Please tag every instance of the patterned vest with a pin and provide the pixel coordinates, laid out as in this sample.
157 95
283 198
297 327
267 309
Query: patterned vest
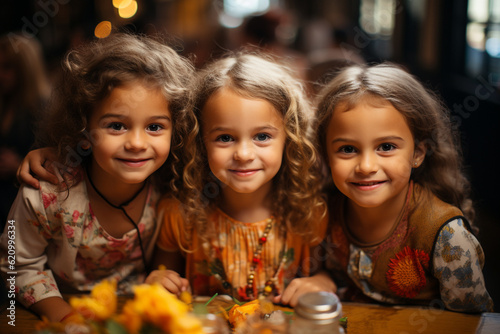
401 265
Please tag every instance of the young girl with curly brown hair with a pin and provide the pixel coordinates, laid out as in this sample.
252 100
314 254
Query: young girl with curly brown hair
117 120
400 230
251 209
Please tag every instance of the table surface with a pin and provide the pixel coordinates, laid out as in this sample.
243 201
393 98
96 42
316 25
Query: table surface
361 318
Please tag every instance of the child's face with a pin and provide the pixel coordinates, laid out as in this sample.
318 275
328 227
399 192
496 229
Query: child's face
130 134
244 139
371 153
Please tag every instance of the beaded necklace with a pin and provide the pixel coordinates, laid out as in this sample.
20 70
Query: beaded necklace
270 285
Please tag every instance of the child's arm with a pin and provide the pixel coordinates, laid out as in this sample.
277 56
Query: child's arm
54 308
23 247
34 163
169 265
297 287
458 261
168 257
321 281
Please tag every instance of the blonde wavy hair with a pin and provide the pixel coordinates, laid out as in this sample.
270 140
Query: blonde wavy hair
428 118
296 188
93 70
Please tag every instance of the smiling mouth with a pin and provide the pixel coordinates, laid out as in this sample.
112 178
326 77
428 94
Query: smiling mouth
134 162
367 184
244 172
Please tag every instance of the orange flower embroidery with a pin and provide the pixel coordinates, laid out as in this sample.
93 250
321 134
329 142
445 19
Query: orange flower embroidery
406 275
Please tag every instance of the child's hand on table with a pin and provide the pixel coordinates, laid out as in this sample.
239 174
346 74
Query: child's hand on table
169 279
299 286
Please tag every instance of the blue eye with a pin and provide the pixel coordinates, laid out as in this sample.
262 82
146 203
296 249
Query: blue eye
262 137
224 138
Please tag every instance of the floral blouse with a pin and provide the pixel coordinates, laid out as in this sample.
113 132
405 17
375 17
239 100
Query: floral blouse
462 286
448 276
58 242
223 263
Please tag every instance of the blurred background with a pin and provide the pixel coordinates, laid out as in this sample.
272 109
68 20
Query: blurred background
453 46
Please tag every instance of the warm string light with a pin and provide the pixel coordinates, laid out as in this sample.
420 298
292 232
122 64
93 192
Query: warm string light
103 29
126 8
121 3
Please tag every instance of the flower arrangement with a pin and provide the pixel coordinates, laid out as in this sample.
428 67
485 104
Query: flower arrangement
239 313
153 310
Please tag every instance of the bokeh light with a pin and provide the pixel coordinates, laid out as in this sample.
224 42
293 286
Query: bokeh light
103 29
121 3
475 35
128 11
493 44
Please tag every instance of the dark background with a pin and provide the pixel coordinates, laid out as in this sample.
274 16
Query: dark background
433 39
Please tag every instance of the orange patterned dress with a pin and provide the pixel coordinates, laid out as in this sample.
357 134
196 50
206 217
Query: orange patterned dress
223 263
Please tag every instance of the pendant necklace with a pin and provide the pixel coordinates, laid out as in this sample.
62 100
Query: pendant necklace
270 285
122 208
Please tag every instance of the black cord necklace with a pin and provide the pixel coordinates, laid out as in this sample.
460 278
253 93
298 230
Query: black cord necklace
122 208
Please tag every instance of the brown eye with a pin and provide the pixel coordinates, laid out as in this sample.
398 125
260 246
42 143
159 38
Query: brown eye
347 149
224 138
154 127
387 147
116 126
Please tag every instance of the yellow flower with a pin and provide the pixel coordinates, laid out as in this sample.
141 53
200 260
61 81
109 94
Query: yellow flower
238 314
186 324
186 297
129 318
153 304
101 304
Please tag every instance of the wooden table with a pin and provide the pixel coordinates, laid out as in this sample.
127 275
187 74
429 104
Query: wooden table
361 318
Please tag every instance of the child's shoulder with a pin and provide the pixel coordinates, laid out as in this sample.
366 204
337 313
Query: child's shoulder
71 183
75 193
50 201
169 200
45 189
170 204
425 200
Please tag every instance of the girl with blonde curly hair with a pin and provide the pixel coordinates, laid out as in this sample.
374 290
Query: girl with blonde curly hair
400 204
251 208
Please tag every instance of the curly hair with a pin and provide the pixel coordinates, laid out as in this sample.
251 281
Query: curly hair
92 71
427 117
296 188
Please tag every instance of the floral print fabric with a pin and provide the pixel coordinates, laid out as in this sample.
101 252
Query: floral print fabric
430 258
58 238
457 261
406 274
